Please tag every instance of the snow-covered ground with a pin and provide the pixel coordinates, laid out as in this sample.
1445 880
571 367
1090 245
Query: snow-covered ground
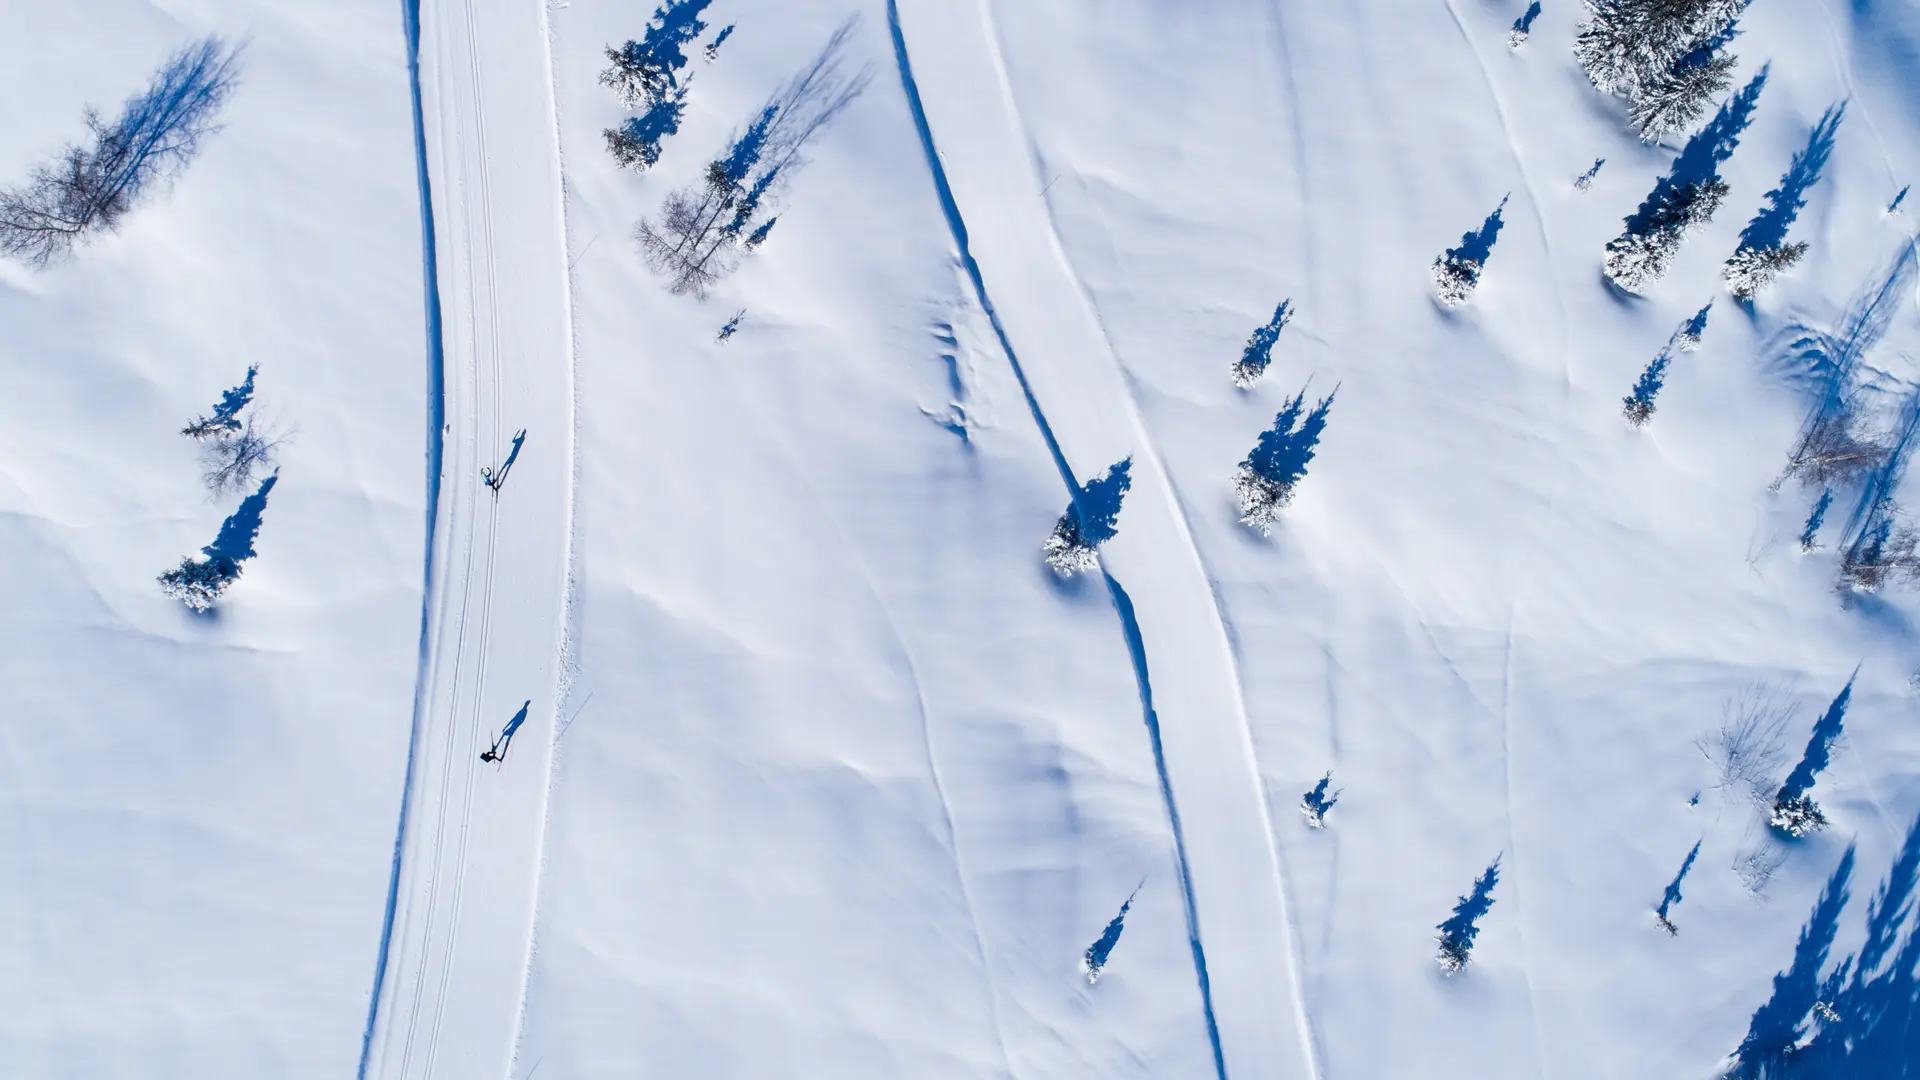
844 780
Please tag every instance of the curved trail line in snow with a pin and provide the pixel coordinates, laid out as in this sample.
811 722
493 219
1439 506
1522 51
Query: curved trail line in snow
447 997
1229 866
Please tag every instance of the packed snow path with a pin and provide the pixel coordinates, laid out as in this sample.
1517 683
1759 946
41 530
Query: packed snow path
983 161
453 965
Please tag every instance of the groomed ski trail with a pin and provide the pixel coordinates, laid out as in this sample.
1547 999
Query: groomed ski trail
454 953
1236 901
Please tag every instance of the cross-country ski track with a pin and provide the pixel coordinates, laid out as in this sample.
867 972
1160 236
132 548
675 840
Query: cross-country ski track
452 972
983 164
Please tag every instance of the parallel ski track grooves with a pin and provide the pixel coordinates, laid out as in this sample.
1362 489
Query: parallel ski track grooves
468 753
1123 605
437 903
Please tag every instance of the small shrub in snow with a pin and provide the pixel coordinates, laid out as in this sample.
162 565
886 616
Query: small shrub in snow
1259 351
90 188
1749 747
1458 932
1089 521
1809 536
1095 960
1315 804
1456 273
225 417
1265 481
1755 868
1664 913
1523 26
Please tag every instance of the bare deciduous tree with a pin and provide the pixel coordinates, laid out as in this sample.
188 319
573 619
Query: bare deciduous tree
702 231
1749 747
90 188
231 460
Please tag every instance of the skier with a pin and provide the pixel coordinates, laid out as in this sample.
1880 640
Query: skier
498 751
494 479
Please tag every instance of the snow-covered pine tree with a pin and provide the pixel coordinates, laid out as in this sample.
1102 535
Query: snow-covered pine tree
645 75
199 583
1764 250
1458 932
1266 479
647 72
1457 272
1687 338
1749 270
1794 811
1668 58
635 143
1523 26
1259 351
1095 960
1638 406
1315 803
1089 521
1664 913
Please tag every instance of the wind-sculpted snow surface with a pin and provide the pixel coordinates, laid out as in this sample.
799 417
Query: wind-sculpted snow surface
1237 907
453 959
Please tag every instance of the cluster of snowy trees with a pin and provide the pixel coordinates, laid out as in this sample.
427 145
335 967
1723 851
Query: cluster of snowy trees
702 230
235 444
234 449
646 75
1683 200
89 187
1265 481
1667 58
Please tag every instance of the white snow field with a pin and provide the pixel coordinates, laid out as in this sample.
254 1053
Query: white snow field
824 773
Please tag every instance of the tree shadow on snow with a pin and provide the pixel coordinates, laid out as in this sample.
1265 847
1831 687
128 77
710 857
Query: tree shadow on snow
1863 1018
